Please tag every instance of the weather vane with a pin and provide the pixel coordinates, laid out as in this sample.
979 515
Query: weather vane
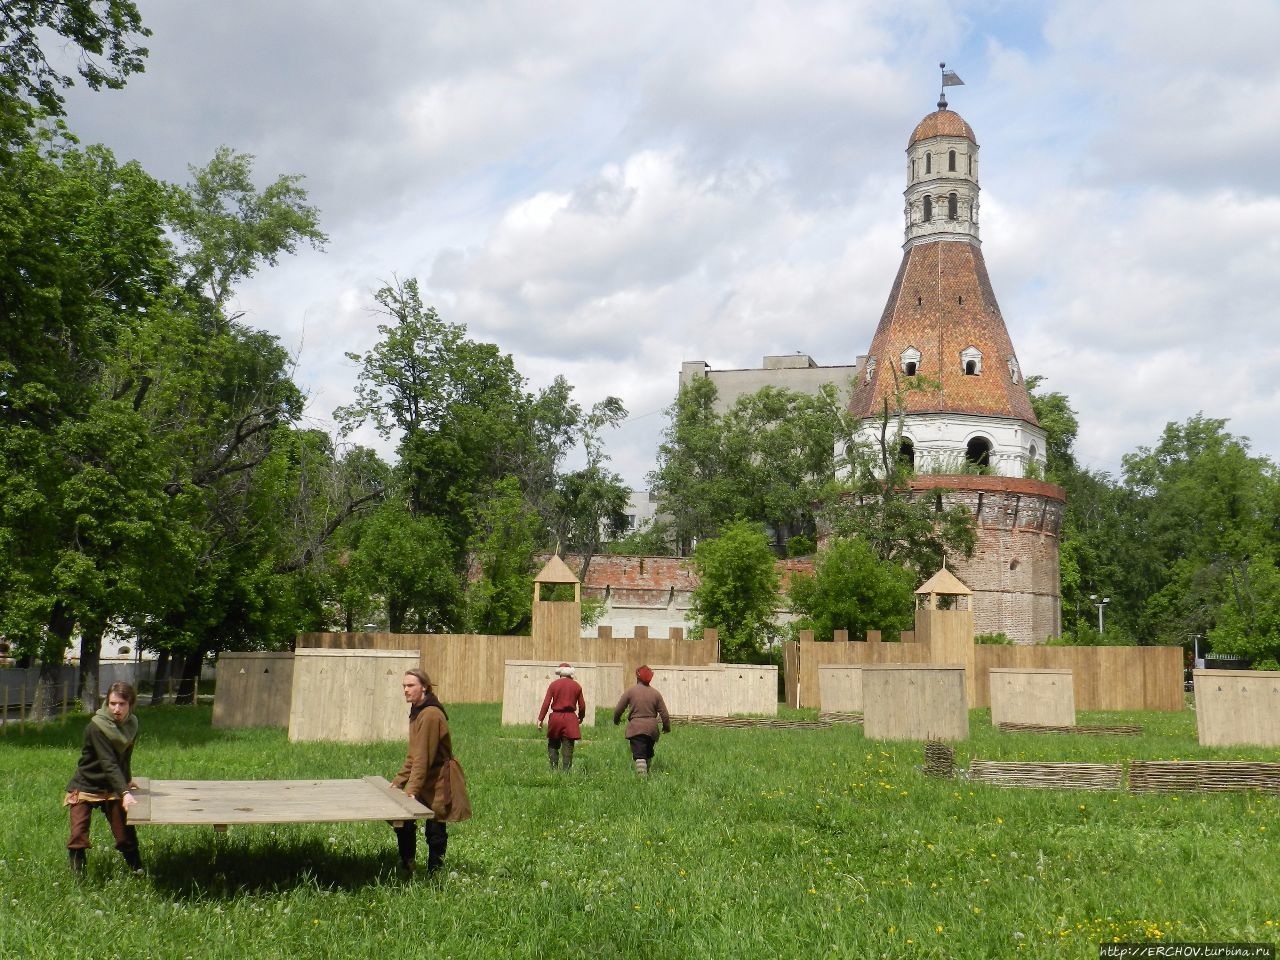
949 79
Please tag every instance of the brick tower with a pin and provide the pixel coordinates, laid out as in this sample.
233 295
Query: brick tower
941 358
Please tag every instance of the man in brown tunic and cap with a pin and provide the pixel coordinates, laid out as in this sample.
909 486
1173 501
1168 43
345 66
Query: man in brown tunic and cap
647 708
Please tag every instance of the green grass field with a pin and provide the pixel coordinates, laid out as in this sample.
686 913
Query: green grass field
742 844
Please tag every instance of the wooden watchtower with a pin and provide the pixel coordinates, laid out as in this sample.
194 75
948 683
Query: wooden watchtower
552 618
944 620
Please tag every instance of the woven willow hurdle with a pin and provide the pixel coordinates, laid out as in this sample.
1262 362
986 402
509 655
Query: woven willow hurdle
839 716
1213 775
1100 729
1054 776
752 722
939 760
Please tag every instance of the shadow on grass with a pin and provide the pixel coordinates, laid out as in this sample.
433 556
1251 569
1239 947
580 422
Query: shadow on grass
158 726
210 868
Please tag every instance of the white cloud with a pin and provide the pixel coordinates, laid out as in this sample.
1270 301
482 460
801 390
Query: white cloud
607 190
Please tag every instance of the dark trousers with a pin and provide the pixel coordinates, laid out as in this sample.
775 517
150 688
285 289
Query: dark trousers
641 747
126 836
437 838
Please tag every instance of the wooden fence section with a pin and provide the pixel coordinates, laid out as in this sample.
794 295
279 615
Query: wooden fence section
1024 696
526 684
349 696
1055 776
469 668
1237 707
1104 678
255 689
1176 776
809 655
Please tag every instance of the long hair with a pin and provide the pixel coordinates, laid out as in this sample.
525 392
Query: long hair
421 676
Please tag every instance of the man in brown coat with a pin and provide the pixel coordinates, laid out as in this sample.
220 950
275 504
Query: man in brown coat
647 708
430 748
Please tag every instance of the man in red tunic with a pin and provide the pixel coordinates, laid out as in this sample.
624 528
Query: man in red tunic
568 709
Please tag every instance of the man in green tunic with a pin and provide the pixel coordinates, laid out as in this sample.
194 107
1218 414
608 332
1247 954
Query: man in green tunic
103 780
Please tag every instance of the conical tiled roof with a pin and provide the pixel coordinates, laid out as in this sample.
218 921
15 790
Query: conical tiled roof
942 123
941 305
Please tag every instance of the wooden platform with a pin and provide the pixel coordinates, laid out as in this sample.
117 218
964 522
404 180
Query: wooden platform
222 803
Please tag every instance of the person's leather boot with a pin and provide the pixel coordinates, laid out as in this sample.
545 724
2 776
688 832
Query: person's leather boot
76 858
132 859
553 756
566 749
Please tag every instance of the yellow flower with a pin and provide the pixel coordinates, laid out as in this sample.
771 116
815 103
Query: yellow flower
938 928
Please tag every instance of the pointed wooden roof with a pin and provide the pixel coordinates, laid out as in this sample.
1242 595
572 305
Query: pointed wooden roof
556 571
945 583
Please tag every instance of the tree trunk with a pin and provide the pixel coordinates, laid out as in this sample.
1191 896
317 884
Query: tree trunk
190 673
44 702
90 663
160 677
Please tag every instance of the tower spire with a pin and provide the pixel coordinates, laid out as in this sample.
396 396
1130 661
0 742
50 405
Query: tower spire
949 79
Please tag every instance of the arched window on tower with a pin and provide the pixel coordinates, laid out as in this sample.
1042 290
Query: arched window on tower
928 209
970 164
953 206
978 452
971 361
928 163
951 160
910 361
907 453
913 169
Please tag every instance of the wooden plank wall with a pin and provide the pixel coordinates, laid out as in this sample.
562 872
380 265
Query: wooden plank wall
914 702
557 620
718 690
1237 707
525 684
254 689
840 689
1105 678
810 655
349 696
470 668
1023 695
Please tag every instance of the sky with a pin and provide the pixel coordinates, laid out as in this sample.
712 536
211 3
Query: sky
606 190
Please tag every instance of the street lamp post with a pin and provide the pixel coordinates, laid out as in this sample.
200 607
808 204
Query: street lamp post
1099 602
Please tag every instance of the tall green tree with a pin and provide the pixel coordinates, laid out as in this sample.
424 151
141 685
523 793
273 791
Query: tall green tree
768 458
738 591
852 589
104 35
467 428
1206 510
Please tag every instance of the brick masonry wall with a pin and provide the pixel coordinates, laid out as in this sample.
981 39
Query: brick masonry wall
1014 572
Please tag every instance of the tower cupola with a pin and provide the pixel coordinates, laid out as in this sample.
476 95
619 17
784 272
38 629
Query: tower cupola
942 179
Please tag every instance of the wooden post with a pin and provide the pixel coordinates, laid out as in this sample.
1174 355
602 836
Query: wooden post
642 633
22 709
604 632
676 633
64 699
841 636
4 718
195 692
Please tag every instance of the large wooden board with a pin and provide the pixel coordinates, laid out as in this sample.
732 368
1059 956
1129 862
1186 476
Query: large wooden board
222 803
